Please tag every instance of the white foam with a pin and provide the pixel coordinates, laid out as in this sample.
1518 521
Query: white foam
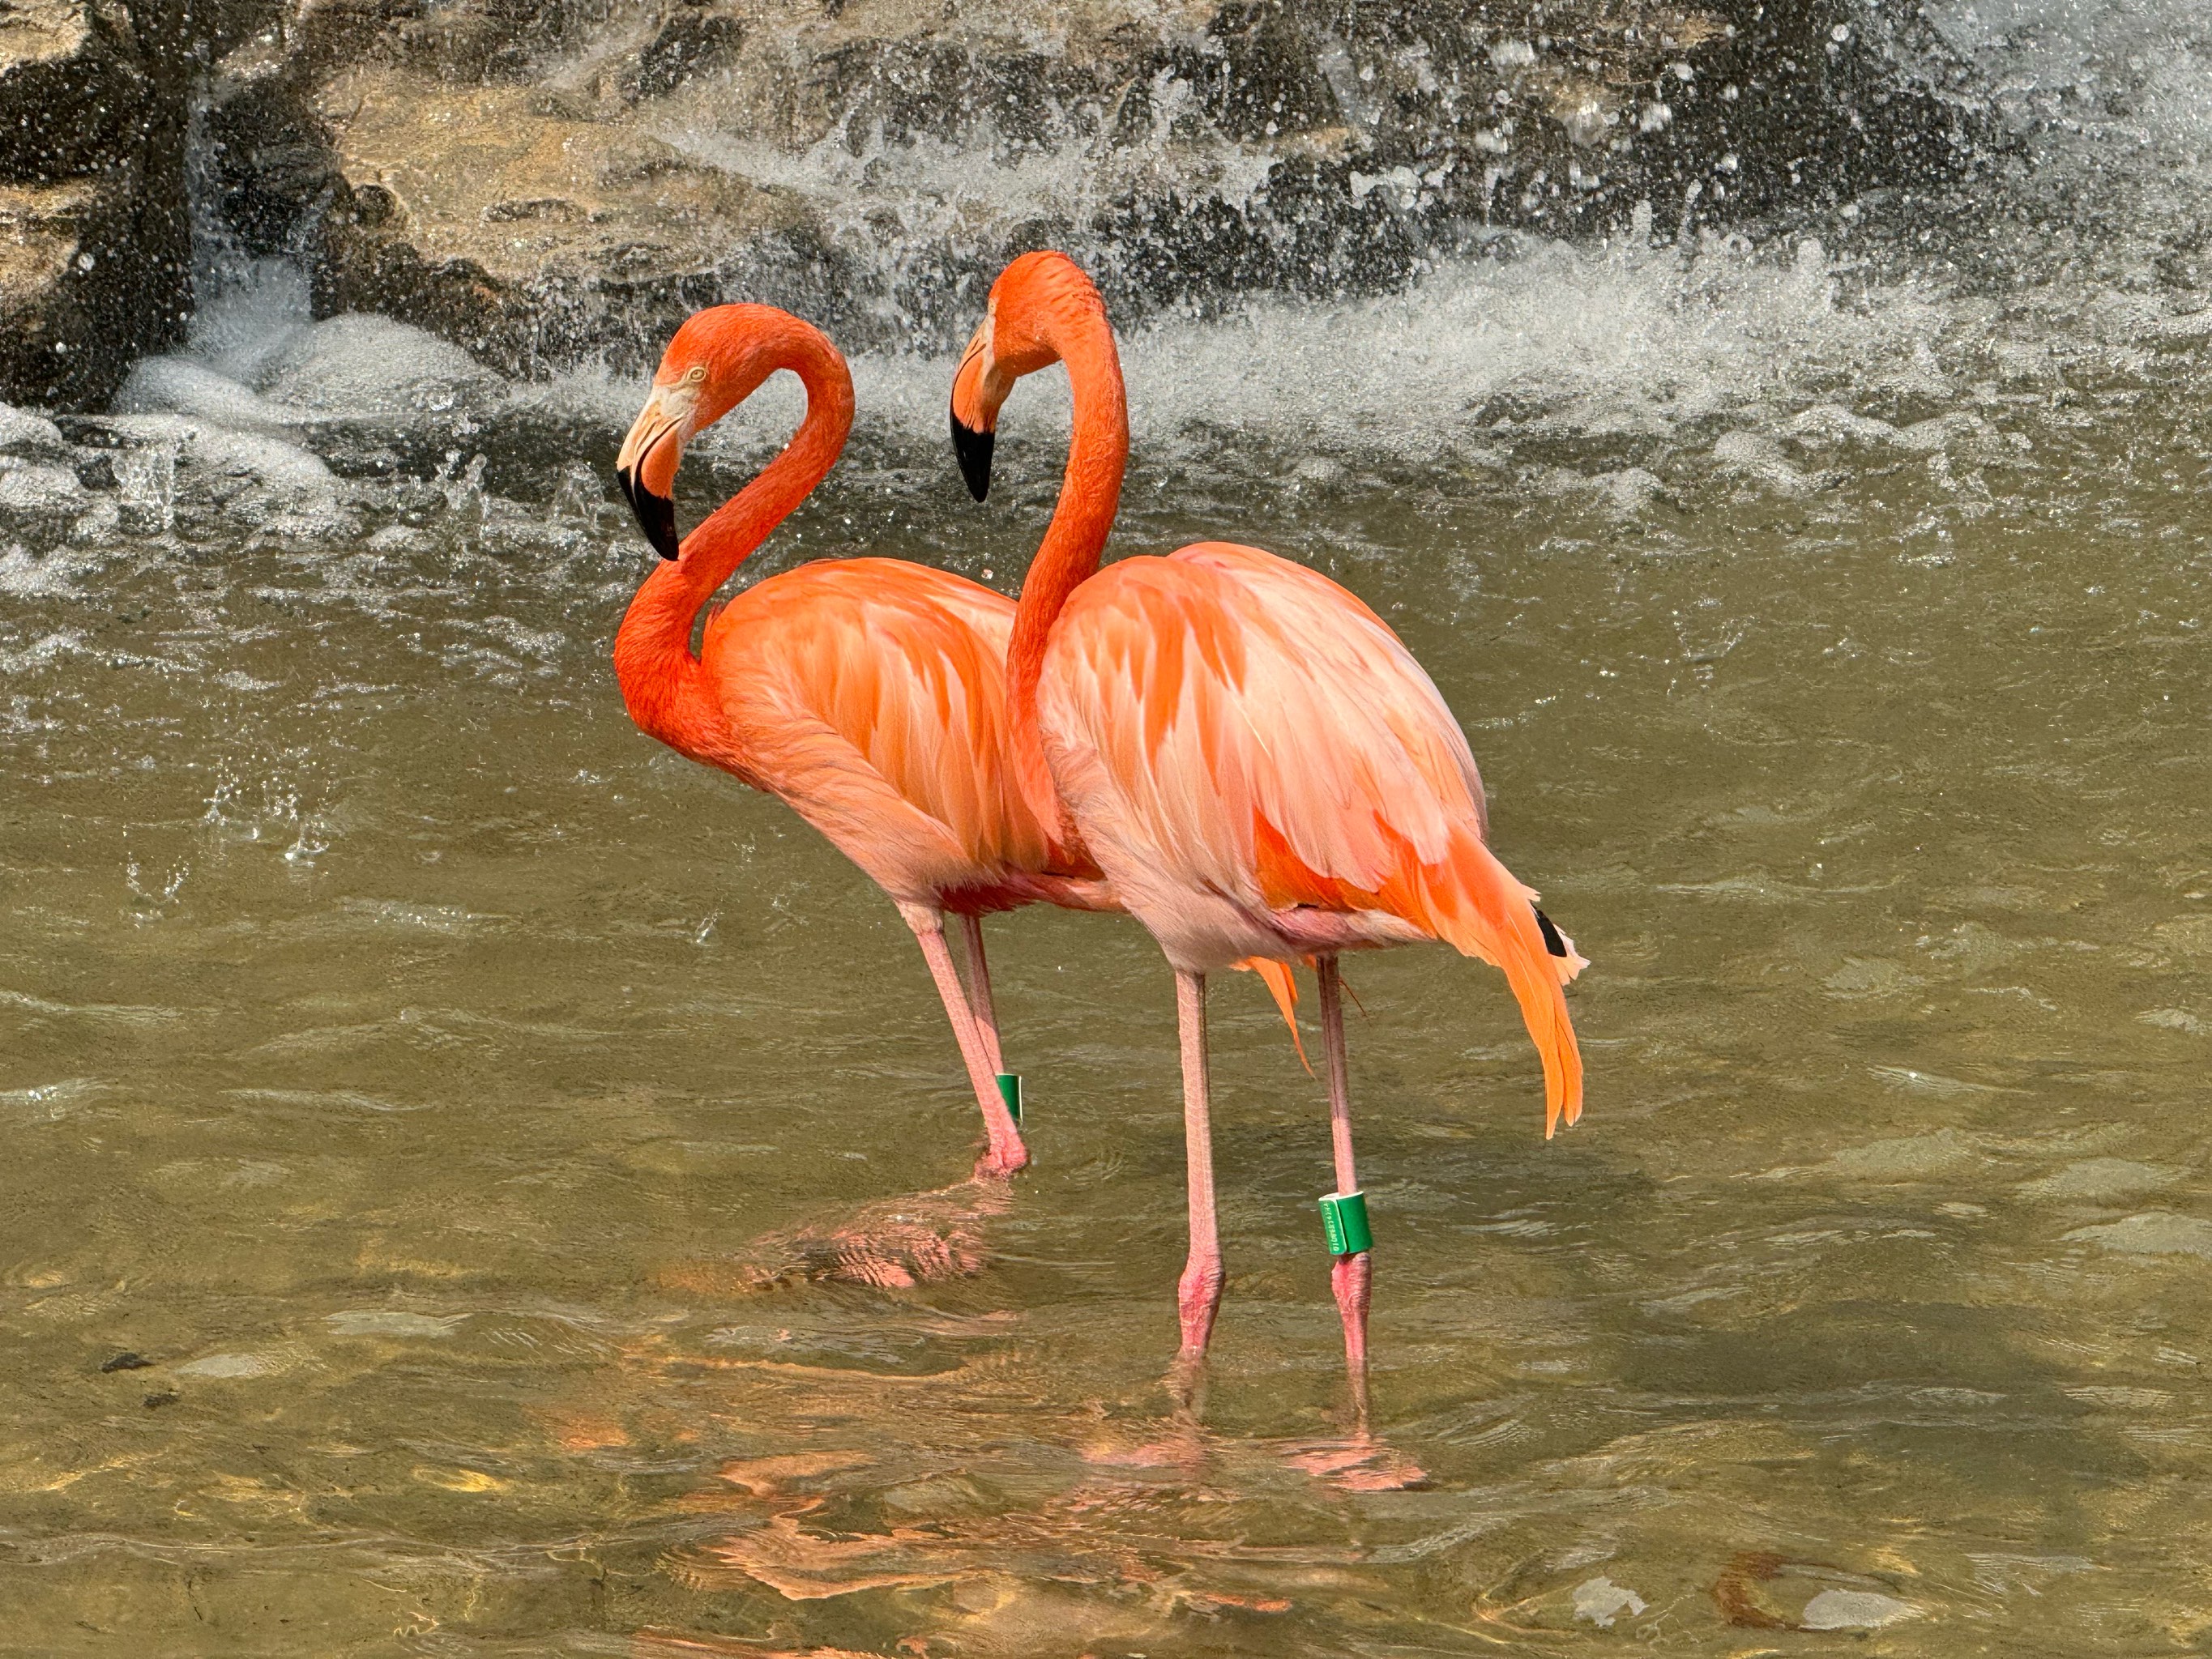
231 1366
1622 341
28 575
1601 1601
1755 365
179 386
2155 1232
361 366
592 397
1777 370
1613 343
277 487
45 649
352 367
270 462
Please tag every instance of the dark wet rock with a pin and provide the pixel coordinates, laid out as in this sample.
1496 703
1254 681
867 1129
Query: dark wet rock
91 202
521 226
95 469
95 243
689 42
161 1397
126 1361
266 157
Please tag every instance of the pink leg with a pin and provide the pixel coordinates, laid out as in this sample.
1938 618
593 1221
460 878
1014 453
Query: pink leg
979 990
1351 1275
1200 1291
1006 1153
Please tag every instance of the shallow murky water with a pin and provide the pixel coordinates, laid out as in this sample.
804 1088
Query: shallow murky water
500 1139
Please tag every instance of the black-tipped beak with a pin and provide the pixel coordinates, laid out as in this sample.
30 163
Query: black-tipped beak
972 448
656 514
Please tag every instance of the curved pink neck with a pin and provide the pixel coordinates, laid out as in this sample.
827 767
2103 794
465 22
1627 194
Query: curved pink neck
1074 324
663 684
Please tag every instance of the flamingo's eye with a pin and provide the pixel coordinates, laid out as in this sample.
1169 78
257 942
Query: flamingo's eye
696 374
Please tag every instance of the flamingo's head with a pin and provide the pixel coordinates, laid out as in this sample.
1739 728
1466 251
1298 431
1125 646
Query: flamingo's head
717 360
1028 306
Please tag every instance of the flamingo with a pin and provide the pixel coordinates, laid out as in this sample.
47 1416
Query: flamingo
1255 763
868 694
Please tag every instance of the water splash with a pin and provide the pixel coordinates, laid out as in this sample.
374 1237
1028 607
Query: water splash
1619 373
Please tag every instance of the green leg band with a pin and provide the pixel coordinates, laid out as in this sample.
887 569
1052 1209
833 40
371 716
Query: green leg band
1010 1090
1344 1219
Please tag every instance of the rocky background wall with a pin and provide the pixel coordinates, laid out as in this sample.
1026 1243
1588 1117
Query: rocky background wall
547 181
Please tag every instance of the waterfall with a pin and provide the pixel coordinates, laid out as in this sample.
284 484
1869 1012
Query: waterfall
245 306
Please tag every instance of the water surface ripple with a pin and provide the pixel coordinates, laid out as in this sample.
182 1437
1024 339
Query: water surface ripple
526 1161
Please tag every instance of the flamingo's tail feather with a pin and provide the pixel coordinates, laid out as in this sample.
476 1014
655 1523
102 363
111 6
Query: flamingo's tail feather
1282 986
1484 912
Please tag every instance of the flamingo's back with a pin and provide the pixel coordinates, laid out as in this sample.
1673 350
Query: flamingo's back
871 694
1248 746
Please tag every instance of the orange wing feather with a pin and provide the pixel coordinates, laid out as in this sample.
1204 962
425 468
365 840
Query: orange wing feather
872 696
